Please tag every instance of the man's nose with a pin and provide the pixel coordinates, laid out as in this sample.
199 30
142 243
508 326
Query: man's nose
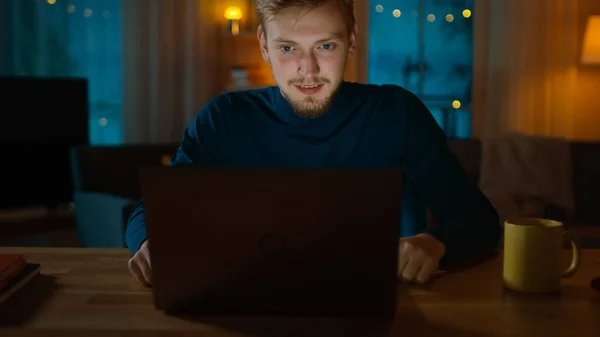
308 65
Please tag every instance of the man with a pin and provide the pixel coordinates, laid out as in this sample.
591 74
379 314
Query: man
312 118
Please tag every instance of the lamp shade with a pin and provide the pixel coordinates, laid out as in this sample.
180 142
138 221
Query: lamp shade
233 13
591 41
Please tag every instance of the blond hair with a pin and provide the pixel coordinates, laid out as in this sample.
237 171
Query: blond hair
268 8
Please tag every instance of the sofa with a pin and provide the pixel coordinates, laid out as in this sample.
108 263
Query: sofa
106 184
585 158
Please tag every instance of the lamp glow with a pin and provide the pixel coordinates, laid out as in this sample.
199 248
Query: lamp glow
591 41
233 14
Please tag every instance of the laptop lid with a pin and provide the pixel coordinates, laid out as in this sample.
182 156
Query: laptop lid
301 241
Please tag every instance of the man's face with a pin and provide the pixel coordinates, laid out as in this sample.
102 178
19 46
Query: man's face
307 50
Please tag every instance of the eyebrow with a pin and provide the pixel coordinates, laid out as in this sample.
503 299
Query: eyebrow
335 36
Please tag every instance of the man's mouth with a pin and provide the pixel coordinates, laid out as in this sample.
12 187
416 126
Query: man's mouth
310 89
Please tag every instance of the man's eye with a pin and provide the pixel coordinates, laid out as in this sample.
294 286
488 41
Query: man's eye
286 48
328 46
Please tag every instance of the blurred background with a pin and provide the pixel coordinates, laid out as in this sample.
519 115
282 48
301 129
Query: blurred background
110 85
424 45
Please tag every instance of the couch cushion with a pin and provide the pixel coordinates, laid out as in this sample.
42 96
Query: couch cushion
114 169
586 180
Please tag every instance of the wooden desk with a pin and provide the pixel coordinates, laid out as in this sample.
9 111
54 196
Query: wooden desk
89 292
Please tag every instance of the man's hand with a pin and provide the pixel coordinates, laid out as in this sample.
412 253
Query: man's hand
419 257
139 265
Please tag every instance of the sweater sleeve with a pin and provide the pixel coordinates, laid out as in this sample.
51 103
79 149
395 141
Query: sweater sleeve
200 145
468 224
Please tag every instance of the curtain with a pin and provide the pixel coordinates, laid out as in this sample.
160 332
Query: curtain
170 66
526 58
151 64
75 38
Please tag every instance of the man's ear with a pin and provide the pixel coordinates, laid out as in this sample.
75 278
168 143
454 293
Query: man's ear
261 34
352 40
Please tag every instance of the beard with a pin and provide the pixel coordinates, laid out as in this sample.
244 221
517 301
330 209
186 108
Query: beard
309 106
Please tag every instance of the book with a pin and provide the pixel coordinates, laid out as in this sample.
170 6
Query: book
10 265
29 271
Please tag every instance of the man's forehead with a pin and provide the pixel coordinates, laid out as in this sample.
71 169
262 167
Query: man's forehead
305 25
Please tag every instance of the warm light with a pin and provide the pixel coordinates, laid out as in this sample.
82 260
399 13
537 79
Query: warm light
456 104
235 27
52 2
87 12
430 17
165 159
233 13
591 41
467 13
449 17
396 13
379 8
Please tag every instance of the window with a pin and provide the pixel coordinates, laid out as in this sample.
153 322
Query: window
71 38
426 46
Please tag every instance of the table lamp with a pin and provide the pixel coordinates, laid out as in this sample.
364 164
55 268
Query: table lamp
233 15
590 53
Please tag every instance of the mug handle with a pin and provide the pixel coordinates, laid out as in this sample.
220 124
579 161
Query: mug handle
576 257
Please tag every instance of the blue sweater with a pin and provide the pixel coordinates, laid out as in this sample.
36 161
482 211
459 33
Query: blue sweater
367 126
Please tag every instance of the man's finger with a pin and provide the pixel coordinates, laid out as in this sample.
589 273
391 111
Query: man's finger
146 253
402 260
412 269
146 270
428 268
135 270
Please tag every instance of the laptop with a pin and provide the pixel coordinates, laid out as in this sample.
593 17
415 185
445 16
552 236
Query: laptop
273 241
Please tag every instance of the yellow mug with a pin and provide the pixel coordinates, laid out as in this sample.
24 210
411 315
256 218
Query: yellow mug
532 255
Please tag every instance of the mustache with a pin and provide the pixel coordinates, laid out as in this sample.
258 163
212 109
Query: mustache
315 81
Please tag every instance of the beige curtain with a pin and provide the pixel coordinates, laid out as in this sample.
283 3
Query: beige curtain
170 66
526 57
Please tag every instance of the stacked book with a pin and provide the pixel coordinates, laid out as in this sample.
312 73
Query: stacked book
15 272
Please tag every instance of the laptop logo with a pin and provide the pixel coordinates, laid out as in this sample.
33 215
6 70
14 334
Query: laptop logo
271 244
